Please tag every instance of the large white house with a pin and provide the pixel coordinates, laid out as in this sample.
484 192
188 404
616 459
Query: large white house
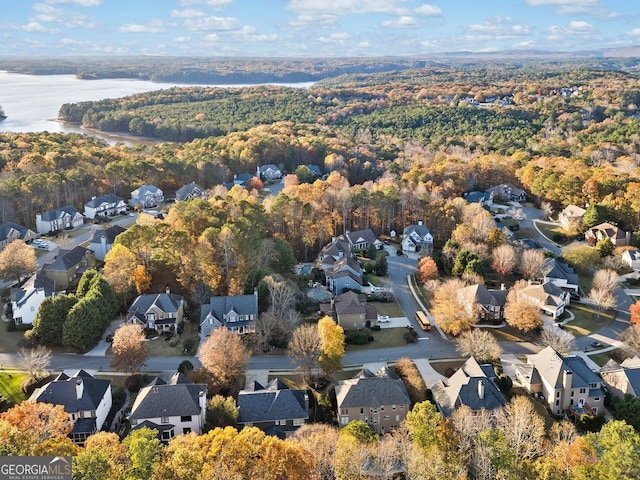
58 219
26 300
104 206
146 196
11 231
417 238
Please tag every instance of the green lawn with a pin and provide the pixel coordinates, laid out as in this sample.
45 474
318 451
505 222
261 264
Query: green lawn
550 230
585 322
388 308
442 367
9 341
10 385
385 338
158 347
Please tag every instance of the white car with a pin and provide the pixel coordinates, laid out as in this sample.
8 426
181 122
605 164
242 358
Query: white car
383 318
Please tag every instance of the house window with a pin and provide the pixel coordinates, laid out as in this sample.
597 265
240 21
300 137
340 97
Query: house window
583 390
557 394
374 410
596 399
557 403
93 414
361 411
386 417
393 407
595 410
382 408
166 435
593 385
344 411
572 393
344 420
164 419
298 421
397 418
186 430
571 402
185 418
33 308
80 414
402 407
18 321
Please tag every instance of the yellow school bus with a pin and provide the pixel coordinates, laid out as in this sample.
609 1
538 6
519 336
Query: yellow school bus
422 320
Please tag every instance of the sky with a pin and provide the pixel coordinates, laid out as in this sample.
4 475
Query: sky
312 28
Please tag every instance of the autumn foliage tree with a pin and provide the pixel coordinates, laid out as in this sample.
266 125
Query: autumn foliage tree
520 311
503 259
305 347
448 310
634 311
129 348
427 269
17 259
332 345
480 344
38 420
142 279
225 357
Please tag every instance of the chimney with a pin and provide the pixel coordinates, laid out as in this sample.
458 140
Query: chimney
503 286
79 388
168 290
567 376
481 389
420 222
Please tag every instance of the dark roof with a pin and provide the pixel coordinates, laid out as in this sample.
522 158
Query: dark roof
480 294
562 270
167 302
348 273
97 201
221 306
359 236
551 365
68 258
109 234
63 391
56 213
39 281
154 426
315 169
274 402
371 390
5 228
168 400
143 190
186 191
345 262
350 303
476 197
337 248
420 230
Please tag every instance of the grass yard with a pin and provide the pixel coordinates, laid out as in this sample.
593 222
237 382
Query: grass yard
10 385
10 341
376 280
442 367
388 308
159 347
524 233
385 338
585 322
550 230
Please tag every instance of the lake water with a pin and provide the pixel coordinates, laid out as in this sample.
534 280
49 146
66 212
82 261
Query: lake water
32 102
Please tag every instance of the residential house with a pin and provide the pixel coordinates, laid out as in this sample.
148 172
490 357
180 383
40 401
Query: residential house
275 408
363 239
632 258
417 238
473 385
268 173
507 193
347 274
622 379
26 300
104 206
58 219
487 305
550 298
175 408
484 199
190 191
236 313
159 311
618 237
315 170
571 217
337 249
241 179
566 383
380 400
87 400
69 265
562 275
146 196
102 241
350 310
12 231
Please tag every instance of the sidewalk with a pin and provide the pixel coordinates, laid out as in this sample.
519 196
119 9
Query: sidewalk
429 375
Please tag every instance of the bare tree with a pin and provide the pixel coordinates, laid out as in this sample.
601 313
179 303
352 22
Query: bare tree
603 290
563 431
17 259
224 356
523 428
560 340
35 361
503 259
631 336
265 326
531 263
520 311
547 209
129 348
305 348
283 294
320 439
479 344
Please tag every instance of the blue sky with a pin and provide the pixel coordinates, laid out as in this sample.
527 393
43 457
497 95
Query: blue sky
312 28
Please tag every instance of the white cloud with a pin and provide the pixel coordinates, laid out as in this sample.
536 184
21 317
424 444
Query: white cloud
181 39
68 18
211 3
428 10
82 3
34 26
154 26
527 44
589 7
212 37
187 13
364 44
335 38
272 37
576 27
208 24
401 22
634 32
501 28
304 20
347 7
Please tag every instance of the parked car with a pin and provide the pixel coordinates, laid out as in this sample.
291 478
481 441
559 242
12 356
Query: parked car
383 318
597 345
109 338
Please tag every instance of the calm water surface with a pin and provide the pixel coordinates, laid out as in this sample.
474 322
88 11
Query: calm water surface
32 102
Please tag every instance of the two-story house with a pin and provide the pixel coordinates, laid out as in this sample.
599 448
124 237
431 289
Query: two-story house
571 217
69 266
618 237
58 219
104 206
363 239
507 193
146 196
87 400
380 400
190 191
236 313
275 408
12 231
472 385
416 238
484 199
347 274
268 173
351 310
566 383
562 275
102 241
550 298
622 379
162 312
175 408
26 300
485 304
632 259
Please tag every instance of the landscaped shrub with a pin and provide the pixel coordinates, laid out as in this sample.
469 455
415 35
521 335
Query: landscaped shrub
189 346
185 366
11 325
376 328
134 382
412 379
360 339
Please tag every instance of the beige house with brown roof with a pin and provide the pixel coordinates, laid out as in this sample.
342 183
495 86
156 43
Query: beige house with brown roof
622 379
483 303
550 298
350 310
618 237
571 217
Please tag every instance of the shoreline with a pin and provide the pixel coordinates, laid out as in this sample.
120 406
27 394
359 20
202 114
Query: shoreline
113 138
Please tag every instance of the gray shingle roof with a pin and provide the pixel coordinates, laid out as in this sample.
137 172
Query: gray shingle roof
189 190
68 258
5 229
274 402
56 213
550 365
359 236
168 400
371 390
167 302
97 201
109 234
39 281
63 391
420 230
221 306
144 190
